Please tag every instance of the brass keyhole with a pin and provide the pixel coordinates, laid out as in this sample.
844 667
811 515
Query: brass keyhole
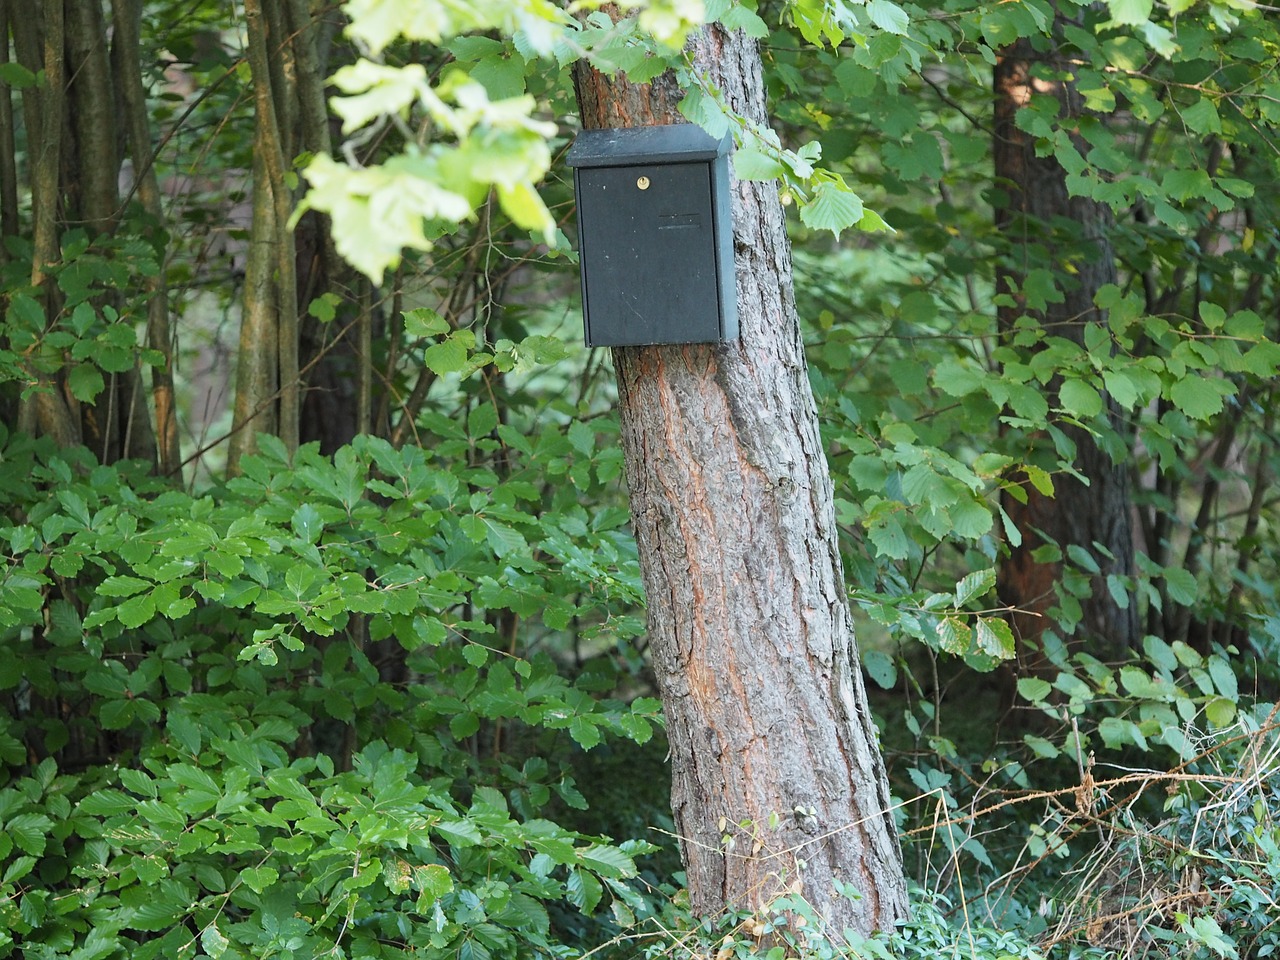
643 183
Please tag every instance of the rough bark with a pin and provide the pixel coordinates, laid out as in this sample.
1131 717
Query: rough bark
750 630
1078 513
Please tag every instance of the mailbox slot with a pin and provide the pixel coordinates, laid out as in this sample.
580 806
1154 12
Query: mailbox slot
655 239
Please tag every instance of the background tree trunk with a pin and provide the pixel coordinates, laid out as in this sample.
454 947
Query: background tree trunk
772 742
1077 513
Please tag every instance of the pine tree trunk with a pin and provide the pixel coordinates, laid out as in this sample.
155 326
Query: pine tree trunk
1077 514
772 742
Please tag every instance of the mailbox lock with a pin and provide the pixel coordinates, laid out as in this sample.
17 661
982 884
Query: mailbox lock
643 183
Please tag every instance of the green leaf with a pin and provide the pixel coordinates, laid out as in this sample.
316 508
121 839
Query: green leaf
584 890
1198 397
1130 12
751 164
607 861
1202 117
306 523
1033 688
259 879
1221 711
888 16
1080 399
833 207
17 76
975 584
880 668
1181 586
994 637
424 322
954 636
85 382
29 832
447 356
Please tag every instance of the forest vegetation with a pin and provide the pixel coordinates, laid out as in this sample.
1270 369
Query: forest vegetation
347 600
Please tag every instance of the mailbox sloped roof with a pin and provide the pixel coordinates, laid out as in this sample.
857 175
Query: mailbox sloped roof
625 146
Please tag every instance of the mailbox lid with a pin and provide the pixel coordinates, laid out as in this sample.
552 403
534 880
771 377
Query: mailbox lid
627 146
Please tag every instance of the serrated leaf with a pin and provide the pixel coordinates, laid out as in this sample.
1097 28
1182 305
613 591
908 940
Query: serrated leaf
1033 688
29 832
832 207
424 322
954 636
608 861
85 382
994 637
447 356
1080 399
1202 117
888 16
1198 397
751 164
259 879
1130 12
584 890
975 584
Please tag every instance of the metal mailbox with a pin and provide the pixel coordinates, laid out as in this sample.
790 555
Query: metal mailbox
655 239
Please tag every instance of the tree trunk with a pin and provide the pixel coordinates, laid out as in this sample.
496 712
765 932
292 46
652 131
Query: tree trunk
8 148
126 36
772 742
1080 514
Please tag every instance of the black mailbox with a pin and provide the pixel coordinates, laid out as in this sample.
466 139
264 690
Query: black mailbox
655 239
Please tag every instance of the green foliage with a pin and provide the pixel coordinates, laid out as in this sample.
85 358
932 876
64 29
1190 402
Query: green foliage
271 781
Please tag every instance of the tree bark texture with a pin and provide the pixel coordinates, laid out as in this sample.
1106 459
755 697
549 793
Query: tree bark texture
1099 512
772 742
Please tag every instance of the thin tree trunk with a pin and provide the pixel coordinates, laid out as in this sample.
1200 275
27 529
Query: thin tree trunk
256 361
267 386
47 407
1077 514
92 108
126 29
772 742
8 147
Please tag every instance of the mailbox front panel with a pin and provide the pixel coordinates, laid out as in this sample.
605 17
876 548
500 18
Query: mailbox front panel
649 263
